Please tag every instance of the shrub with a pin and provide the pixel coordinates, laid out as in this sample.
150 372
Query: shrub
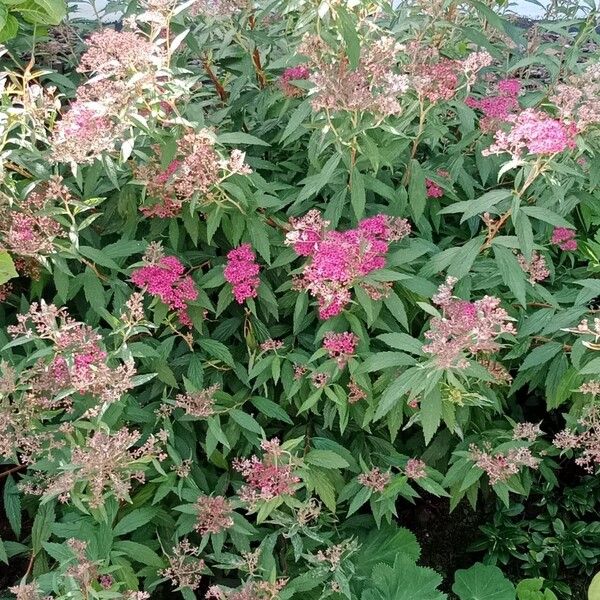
269 272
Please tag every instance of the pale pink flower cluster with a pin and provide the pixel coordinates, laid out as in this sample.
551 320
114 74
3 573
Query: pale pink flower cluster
564 238
464 327
242 272
290 75
527 431
216 8
271 345
499 108
415 469
77 359
165 279
340 346
28 591
340 260
373 86
30 229
213 514
534 132
199 405
584 439
375 479
251 590
108 463
319 380
195 170
590 387
436 81
578 98
266 478
536 268
501 467
185 568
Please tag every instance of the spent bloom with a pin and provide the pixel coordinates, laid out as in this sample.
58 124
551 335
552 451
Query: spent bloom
242 272
564 238
527 431
534 132
464 327
501 467
185 568
415 469
340 346
271 345
355 392
199 405
266 478
341 259
584 438
290 75
165 279
536 268
375 479
213 514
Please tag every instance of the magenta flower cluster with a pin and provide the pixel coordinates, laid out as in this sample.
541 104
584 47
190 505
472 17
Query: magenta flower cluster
564 238
340 346
242 272
497 109
341 259
293 74
166 281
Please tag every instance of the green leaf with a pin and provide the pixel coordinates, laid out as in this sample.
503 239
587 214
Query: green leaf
98 257
404 581
417 193
594 589
315 183
239 137
12 505
7 267
511 272
350 35
540 355
326 459
482 582
3 553
134 520
298 116
547 216
357 194
431 414
245 420
139 553
42 526
217 350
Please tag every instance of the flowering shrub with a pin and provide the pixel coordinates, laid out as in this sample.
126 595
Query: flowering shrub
271 273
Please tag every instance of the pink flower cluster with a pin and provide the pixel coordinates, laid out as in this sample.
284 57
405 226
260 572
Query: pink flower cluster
242 272
339 260
501 467
213 514
267 478
415 469
534 132
564 238
465 327
165 279
433 189
340 346
497 109
293 74
585 438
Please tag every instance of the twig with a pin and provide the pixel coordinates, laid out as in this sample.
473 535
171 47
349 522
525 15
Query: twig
12 470
223 94
260 73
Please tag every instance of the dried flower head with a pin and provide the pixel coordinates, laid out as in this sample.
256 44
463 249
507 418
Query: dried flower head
199 405
185 568
213 514
375 479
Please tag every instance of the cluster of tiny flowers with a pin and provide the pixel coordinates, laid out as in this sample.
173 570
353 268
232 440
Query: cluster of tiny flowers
271 345
335 554
499 108
216 8
415 469
252 590
199 405
590 387
82 570
196 169
30 230
432 188
527 431
123 64
469 327
373 86
341 259
164 278
267 478
534 132
501 467
585 439
564 238
497 370
77 361
536 268
242 272
107 463
340 346
319 380
578 98
185 568
584 329
290 75
28 591
213 514
355 392
376 480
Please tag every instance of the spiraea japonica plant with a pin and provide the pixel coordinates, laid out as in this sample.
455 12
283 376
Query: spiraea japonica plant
271 271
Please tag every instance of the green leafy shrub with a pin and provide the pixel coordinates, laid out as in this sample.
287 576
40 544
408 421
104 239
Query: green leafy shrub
270 273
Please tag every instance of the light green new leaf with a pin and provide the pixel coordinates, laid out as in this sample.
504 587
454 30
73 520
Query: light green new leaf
7 267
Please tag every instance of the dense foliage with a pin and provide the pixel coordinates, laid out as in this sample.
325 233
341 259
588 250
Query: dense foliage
270 273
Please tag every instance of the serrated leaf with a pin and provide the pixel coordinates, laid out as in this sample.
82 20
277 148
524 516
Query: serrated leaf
482 582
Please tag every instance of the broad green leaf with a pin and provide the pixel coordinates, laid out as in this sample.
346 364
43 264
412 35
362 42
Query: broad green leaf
482 582
7 267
